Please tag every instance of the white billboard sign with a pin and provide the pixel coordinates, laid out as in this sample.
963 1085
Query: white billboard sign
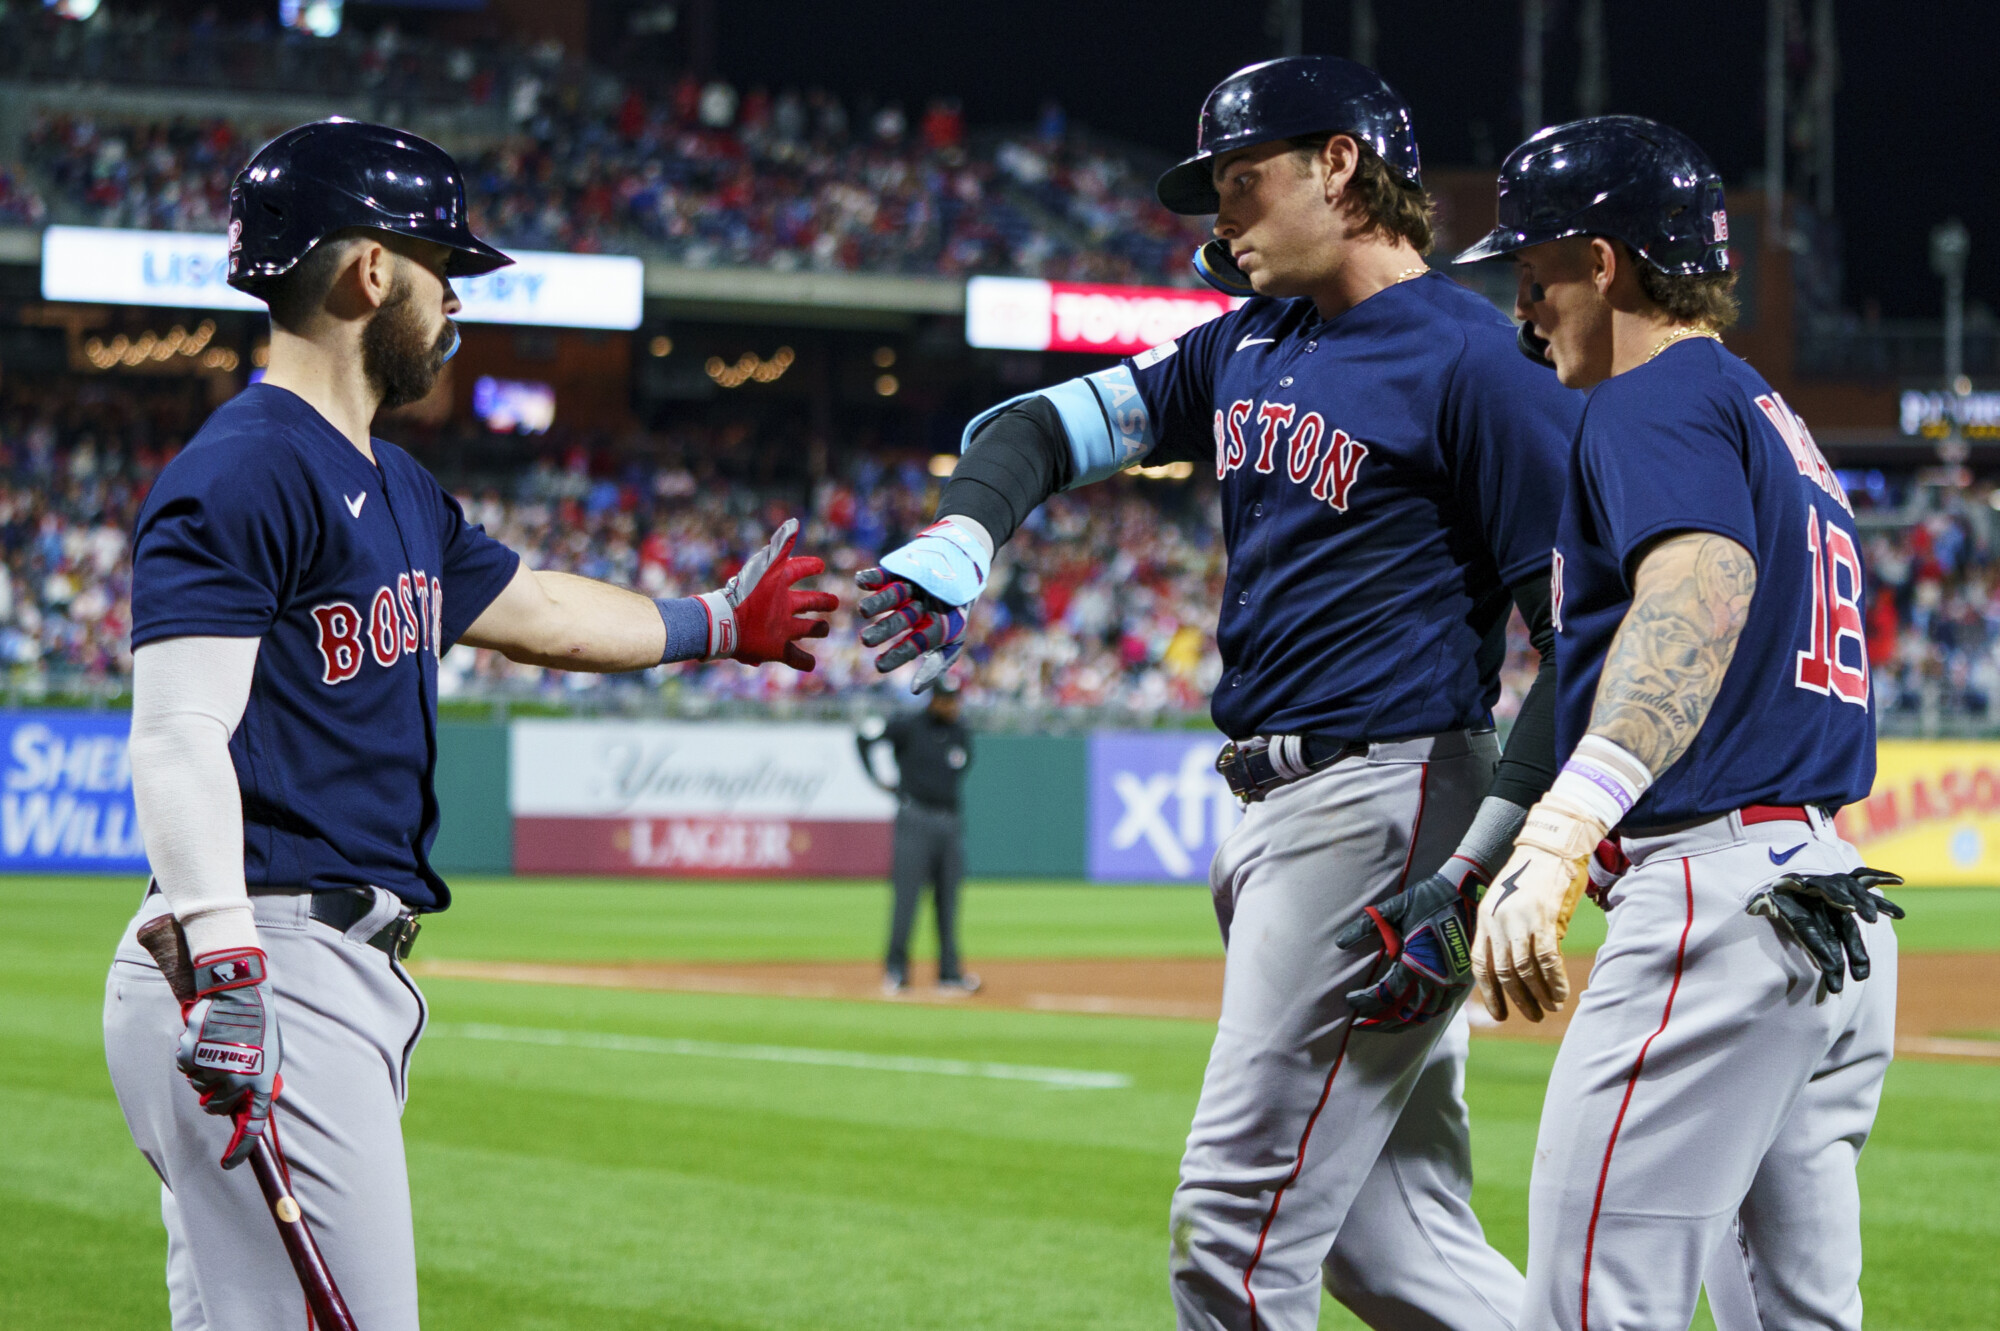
187 270
668 798
583 769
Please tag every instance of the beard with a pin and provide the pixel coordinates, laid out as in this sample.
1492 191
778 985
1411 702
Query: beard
401 363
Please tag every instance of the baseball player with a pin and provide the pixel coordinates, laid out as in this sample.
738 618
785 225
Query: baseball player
1719 1078
294 584
1387 464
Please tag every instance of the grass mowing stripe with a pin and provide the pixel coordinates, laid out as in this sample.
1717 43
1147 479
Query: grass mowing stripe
1068 1079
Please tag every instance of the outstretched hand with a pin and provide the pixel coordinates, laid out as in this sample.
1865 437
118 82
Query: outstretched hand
910 620
769 612
920 595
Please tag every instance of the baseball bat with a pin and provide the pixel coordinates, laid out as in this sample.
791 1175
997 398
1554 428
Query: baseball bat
163 938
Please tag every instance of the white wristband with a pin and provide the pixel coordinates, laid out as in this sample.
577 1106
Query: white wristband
721 624
1604 778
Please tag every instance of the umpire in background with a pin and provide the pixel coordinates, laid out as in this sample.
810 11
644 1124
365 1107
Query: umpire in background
933 748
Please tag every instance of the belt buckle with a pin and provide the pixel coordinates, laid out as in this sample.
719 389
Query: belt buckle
1233 762
407 928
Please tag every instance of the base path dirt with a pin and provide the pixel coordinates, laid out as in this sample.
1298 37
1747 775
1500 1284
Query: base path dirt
1946 1002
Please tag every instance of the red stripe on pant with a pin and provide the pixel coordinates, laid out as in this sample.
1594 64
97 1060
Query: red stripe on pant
1631 1084
1271 1216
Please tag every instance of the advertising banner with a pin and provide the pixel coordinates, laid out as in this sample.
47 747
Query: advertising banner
187 270
694 801
1158 808
1028 314
1934 814
66 797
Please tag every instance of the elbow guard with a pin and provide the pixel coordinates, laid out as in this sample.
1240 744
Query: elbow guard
1103 416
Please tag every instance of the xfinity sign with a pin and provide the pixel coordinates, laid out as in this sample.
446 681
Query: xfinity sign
1158 808
188 270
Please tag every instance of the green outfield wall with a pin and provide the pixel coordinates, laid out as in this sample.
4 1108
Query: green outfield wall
1027 806
475 831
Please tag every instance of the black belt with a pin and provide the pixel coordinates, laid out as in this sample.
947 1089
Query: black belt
344 907
1255 767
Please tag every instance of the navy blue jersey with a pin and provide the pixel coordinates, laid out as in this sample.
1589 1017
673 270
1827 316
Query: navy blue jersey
1695 440
356 575
1386 475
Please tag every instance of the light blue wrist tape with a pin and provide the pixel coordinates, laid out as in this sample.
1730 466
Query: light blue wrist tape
946 562
1103 416
687 629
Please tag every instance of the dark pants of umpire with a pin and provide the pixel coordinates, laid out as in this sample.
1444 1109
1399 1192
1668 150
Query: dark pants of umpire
930 852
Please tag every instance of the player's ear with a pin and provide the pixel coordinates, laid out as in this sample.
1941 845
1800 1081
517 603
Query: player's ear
375 272
1605 261
1339 156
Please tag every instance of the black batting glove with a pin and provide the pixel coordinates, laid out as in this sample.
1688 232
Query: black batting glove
1818 912
1425 932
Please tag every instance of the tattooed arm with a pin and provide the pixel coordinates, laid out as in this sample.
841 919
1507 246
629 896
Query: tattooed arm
1690 598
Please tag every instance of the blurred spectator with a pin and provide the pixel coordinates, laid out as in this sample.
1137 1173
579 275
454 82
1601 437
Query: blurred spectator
20 203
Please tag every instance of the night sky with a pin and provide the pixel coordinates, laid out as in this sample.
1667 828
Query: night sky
1916 121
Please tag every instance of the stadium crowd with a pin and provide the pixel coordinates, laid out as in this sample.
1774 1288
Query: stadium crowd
765 182
1105 600
563 155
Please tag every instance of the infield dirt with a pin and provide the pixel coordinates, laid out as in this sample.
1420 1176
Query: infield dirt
1943 997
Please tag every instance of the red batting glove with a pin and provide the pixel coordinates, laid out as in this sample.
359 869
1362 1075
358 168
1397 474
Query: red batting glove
759 616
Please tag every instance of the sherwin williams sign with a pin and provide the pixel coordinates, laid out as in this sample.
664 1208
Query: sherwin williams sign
66 794
188 270
696 801
1158 808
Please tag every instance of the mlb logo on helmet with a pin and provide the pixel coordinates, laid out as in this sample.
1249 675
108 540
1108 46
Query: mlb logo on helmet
1721 220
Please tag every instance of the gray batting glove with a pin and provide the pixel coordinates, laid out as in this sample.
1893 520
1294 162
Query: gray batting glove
230 1049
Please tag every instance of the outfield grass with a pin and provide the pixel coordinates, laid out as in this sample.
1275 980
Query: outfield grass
650 1187
615 920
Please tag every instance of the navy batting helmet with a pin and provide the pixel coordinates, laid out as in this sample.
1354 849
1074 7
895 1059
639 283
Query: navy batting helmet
1625 177
317 179
1282 99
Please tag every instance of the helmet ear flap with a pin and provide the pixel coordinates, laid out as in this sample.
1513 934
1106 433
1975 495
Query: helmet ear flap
1535 348
1213 264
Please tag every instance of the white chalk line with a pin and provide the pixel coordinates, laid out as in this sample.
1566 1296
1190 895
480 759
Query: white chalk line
1939 1047
1068 1079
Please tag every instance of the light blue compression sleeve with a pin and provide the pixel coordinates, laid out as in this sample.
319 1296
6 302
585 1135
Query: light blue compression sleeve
1102 414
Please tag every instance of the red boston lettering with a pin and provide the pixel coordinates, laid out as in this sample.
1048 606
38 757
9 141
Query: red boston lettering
1304 448
384 636
406 606
1271 415
339 641
1336 475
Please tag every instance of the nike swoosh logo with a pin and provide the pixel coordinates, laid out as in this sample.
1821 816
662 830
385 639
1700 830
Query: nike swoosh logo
1253 341
1776 858
1508 888
354 504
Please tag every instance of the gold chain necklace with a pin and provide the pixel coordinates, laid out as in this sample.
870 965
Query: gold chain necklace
1692 330
1409 273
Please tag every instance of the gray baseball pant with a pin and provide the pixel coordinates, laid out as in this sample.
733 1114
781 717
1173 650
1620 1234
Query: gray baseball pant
1319 1152
1710 1102
349 1018
929 852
